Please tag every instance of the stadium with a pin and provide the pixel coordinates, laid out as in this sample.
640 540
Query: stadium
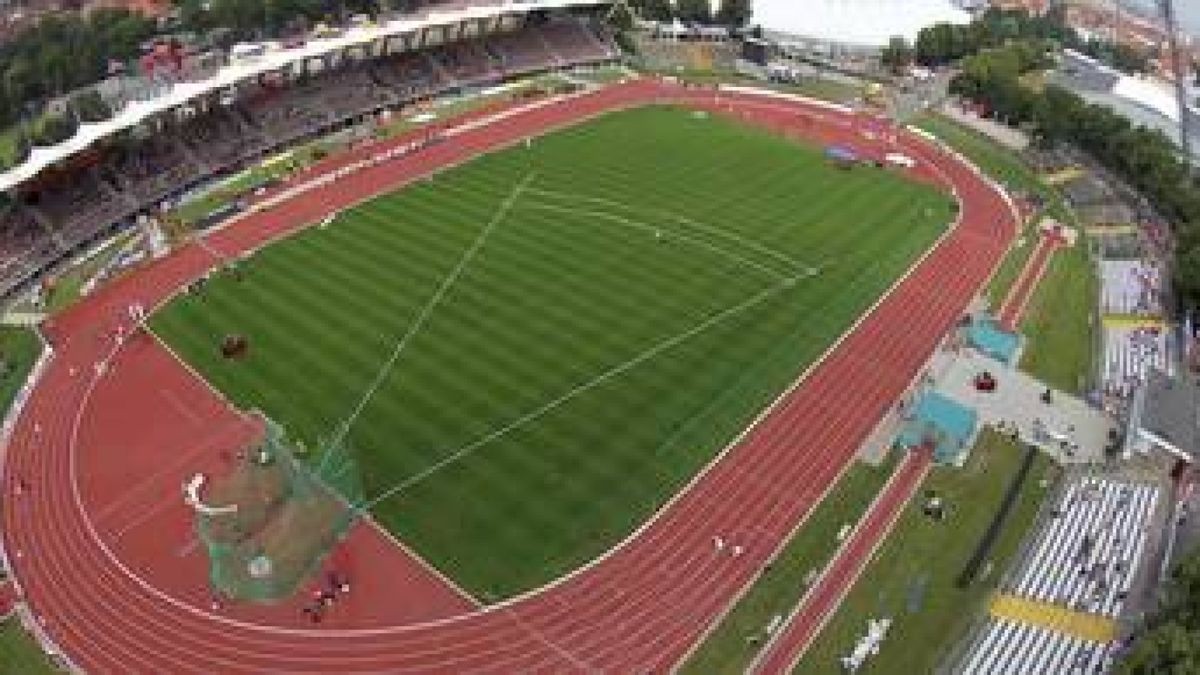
448 341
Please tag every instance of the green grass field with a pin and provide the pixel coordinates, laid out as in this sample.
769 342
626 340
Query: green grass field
577 327
1058 322
912 578
19 349
20 653
733 644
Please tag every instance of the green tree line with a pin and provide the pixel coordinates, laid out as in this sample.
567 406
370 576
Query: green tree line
732 13
944 43
1171 643
1145 158
64 53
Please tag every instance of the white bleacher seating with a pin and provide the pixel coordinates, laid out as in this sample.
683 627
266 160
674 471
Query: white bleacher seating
1012 648
1129 354
1130 287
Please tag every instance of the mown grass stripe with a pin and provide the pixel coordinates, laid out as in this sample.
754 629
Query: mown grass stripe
553 301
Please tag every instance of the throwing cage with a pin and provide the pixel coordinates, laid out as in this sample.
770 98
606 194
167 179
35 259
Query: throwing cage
271 520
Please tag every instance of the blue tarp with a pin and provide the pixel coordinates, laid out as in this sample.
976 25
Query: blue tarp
947 423
992 340
841 153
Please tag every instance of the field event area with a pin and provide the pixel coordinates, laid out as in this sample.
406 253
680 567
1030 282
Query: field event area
536 349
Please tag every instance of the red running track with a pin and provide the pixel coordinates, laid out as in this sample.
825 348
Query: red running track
640 608
1019 295
8 598
821 601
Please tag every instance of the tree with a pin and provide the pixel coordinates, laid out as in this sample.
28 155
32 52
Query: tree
654 10
621 18
898 55
1170 649
694 11
734 13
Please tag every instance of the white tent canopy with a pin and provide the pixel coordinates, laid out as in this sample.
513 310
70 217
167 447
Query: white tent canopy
253 62
859 23
1154 94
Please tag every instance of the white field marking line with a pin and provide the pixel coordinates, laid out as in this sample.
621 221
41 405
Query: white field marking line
427 311
89 390
607 375
425 564
181 460
244 625
1037 276
945 236
767 648
226 621
187 608
324 179
745 241
414 179
144 516
638 225
541 637
173 399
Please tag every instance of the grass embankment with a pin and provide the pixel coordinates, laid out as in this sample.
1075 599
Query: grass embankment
734 643
68 286
912 578
19 349
645 284
285 163
1059 320
19 652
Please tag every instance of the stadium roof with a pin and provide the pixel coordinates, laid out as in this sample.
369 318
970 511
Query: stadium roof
1154 94
860 23
273 59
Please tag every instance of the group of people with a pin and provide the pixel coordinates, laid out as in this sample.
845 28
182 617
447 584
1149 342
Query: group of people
326 595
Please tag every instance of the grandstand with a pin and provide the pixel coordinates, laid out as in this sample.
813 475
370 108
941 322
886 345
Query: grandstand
1130 288
1058 608
1130 352
1135 338
1088 554
64 197
1015 648
1086 73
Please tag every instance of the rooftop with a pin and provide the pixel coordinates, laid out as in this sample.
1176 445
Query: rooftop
1170 412
861 23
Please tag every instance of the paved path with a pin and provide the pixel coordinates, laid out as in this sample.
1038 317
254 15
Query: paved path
822 600
640 608
1017 400
1017 300
8 598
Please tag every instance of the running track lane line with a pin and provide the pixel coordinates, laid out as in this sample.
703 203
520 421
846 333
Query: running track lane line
640 607
1013 309
820 603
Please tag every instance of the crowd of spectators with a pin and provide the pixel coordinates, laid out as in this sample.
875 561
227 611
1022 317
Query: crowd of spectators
233 128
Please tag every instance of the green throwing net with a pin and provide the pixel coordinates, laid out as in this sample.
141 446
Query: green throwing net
270 521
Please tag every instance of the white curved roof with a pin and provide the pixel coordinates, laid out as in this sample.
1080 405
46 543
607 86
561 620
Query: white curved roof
863 23
1156 95
181 93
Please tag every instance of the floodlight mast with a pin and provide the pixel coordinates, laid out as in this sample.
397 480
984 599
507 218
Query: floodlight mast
1181 71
